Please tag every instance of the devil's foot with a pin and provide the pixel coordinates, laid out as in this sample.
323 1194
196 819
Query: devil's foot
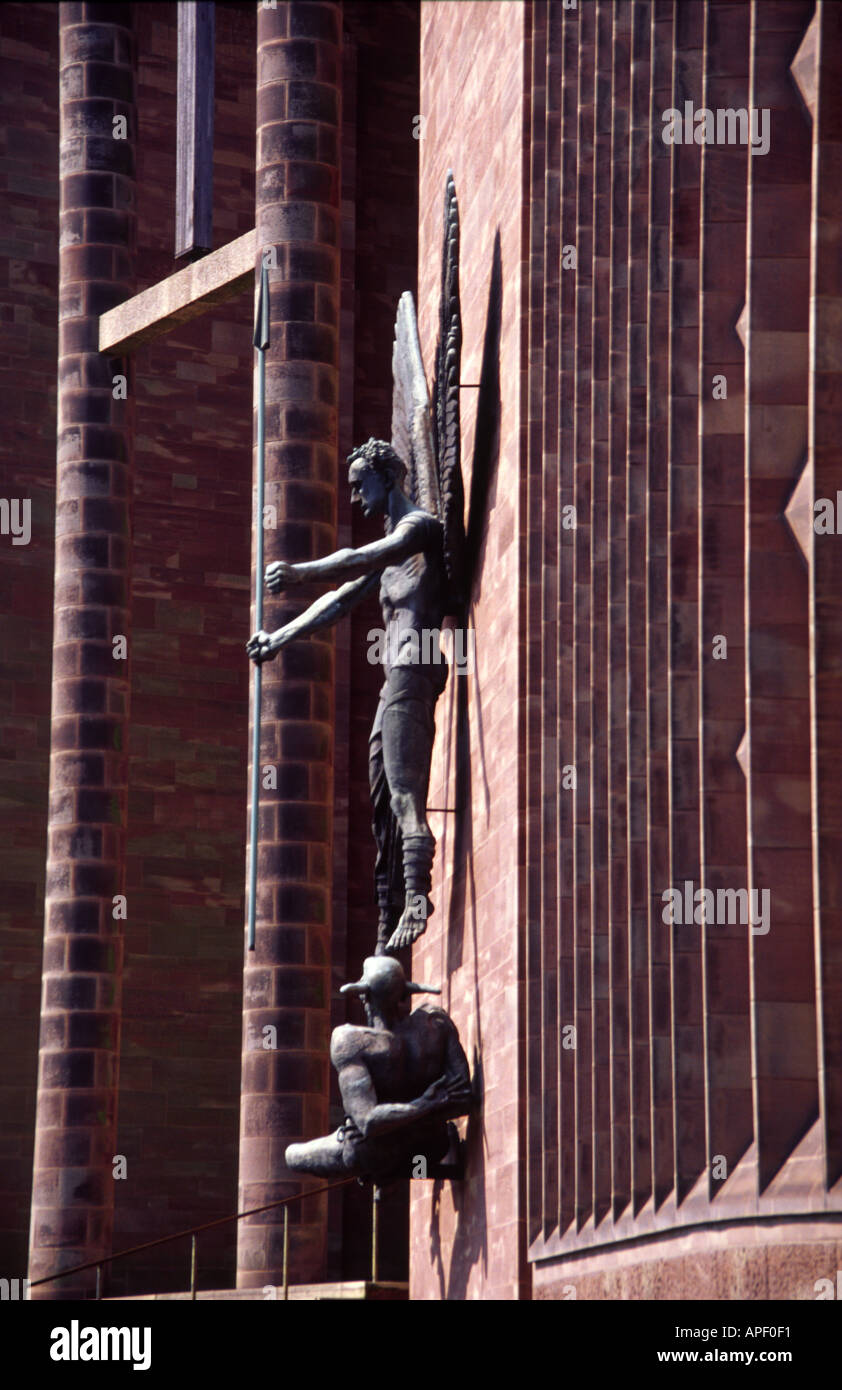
323 1157
413 923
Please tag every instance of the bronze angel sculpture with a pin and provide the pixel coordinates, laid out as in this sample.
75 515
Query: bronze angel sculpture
415 483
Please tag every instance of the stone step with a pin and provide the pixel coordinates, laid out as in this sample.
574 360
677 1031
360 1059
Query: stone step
311 1293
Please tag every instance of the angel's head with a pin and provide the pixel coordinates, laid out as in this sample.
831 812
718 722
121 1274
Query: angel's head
374 469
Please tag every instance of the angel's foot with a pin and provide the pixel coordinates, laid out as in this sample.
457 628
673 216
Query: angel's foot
413 922
418 850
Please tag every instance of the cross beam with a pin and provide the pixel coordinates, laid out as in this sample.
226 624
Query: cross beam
187 294
194 129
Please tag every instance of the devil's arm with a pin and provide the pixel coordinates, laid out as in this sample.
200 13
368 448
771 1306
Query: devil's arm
458 1076
358 1094
360 1102
446 1098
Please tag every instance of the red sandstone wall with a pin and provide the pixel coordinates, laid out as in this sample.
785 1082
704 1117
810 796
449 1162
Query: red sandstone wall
695 1092
187 806
467 1240
179 1068
28 348
187 821
180 1062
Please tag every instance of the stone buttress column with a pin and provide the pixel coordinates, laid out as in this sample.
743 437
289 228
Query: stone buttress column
75 1134
285 1075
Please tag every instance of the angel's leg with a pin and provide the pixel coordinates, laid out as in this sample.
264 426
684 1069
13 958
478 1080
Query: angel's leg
387 838
408 733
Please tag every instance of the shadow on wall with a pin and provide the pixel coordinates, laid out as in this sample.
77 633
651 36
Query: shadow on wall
469 1241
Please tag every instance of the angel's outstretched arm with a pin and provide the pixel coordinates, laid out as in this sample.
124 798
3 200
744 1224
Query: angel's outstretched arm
391 550
326 610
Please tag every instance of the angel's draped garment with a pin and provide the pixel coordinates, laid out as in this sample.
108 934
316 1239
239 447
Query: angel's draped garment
415 673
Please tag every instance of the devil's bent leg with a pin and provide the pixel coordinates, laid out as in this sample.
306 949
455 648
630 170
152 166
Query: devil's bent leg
324 1157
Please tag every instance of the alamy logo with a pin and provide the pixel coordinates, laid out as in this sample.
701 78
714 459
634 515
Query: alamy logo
724 126
14 1289
75 1343
720 909
430 647
16 519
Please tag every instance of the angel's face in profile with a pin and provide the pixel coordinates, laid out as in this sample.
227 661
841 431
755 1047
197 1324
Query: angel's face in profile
368 487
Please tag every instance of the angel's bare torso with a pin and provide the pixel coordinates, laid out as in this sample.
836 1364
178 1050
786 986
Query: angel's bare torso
412 597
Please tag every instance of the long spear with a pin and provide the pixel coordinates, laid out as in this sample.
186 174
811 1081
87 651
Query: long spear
261 342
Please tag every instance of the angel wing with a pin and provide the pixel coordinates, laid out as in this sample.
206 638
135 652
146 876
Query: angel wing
448 435
412 430
428 438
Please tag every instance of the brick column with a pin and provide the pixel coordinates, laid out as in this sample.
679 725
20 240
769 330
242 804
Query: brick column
287 978
75 1135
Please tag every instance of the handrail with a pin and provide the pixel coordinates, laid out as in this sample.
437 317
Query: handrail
193 1231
